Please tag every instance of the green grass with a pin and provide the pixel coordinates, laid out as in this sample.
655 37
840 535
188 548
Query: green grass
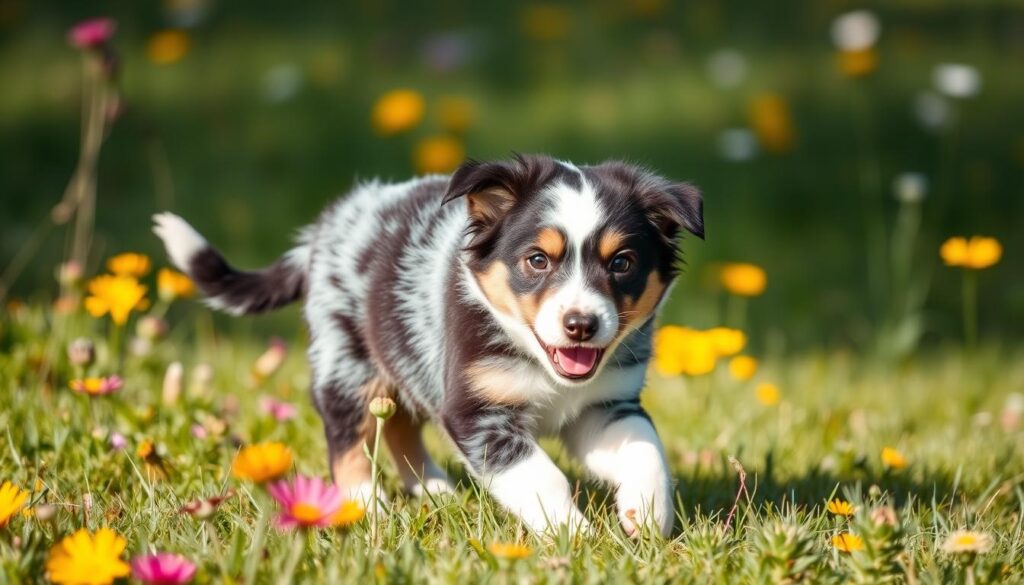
943 411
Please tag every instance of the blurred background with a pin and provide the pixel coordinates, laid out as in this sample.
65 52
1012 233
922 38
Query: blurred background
838 144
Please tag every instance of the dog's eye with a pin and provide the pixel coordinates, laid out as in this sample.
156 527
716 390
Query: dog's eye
538 261
621 263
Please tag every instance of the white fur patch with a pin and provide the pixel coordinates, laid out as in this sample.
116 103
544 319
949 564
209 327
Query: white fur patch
576 296
577 212
537 492
181 239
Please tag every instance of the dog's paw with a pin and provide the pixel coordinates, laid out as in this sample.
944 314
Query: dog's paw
181 239
645 511
433 486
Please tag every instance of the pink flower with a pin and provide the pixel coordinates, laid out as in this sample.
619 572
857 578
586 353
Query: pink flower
271 360
92 33
118 441
305 502
278 409
199 431
97 386
163 569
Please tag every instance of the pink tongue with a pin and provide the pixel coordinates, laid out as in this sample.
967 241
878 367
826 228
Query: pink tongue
576 361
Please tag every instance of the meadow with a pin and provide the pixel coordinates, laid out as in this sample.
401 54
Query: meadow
838 376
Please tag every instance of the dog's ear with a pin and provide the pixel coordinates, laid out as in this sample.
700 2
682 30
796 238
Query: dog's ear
488 188
674 207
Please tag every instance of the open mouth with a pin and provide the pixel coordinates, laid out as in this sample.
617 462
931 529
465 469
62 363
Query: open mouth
575 362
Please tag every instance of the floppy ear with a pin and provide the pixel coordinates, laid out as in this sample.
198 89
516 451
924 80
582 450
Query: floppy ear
678 206
491 190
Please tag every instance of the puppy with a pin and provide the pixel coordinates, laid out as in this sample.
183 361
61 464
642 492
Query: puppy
510 300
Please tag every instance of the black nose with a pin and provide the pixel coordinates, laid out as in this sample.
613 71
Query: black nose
579 326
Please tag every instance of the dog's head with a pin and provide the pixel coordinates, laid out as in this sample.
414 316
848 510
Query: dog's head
571 259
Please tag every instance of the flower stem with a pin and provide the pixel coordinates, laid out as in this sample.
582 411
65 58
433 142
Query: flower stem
374 478
970 291
298 544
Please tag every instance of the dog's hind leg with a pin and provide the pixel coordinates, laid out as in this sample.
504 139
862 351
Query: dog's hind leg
418 471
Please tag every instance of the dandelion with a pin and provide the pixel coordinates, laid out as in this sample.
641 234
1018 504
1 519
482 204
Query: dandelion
397 111
848 543
681 350
438 154
893 459
85 557
856 30
92 34
967 542
857 63
743 279
262 462
841 508
278 409
767 394
910 187
129 264
97 386
772 123
172 285
167 47
742 367
512 551
976 253
163 569
12 499
726 341
306 502
957 80
116 295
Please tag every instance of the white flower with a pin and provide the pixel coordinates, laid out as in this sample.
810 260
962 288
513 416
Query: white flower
727 67
957 80
737 144
932 110
910 187
856 31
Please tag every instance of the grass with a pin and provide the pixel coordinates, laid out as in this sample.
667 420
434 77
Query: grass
946 412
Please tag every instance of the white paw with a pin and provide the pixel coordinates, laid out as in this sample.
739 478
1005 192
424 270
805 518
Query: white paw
645 509
181 240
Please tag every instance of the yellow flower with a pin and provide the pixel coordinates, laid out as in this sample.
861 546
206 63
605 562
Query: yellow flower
893 459
511 551
743 279
397 111
847 542
117 295
86 558
174 285
438 154
976 253
725 341
348 514
857 63
262 462
771 122
841 508
967 541
767 393
129 264
12 498
681 350
456 113
167 47
742 367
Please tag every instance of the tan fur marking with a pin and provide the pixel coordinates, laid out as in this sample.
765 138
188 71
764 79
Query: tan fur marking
502 381
490 205
611 241
405 441
642 306
494 284
551 242
351 467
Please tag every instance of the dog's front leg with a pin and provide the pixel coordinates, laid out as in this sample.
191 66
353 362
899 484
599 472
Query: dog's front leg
497 444
617 443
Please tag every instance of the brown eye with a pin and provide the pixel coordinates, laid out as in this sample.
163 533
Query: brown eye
538 261
621 264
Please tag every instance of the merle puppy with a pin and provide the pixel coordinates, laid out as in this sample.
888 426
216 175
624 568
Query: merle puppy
507 301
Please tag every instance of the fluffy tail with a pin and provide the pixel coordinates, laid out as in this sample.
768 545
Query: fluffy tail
225 288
